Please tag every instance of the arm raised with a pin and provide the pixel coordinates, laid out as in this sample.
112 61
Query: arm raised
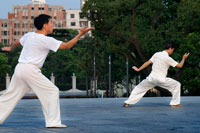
14 45
185 56
147 63
71 43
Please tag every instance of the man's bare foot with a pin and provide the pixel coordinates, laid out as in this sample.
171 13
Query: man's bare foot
126 105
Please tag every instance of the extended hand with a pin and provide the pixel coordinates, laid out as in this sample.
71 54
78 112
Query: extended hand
186 55
135 68
6 49
85 30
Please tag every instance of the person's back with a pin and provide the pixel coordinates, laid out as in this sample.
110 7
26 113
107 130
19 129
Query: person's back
161 63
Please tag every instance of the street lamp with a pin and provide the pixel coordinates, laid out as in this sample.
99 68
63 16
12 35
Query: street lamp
127 89
94 77
110 89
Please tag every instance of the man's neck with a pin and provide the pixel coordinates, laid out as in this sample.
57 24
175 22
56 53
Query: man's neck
41 32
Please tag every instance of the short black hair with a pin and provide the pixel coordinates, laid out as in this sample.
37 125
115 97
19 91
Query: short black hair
40 20
170 45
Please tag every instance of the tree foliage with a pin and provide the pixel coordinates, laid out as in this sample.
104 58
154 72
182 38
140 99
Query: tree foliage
138 28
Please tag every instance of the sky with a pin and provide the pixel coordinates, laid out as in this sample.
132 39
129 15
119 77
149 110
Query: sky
6 5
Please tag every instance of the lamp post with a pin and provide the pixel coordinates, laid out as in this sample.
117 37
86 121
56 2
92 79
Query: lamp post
127 88
86 79
94 76
110 89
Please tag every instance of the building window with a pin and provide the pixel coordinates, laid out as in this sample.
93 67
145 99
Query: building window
32 25
72 15
32 8
5 25
16 25
5 33
50 9
73 23
24 25
32 17
5 41
41 8
24 32
84 24
59 25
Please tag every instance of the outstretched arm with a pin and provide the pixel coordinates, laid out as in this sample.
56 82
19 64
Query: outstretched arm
180 65
14 45
68 45
143 66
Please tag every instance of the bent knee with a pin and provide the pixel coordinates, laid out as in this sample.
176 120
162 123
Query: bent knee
178 84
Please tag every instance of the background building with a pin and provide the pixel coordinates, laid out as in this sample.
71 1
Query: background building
21 20
74 21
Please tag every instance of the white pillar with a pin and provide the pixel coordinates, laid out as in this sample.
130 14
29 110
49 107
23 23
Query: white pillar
52 78
73 81
7 80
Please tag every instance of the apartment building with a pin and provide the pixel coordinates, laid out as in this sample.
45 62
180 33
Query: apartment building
74 21
21 20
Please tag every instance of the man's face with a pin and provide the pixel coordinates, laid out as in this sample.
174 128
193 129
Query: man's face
49 27
171 50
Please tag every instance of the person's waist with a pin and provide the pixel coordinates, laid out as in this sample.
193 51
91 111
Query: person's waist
158 74
30 64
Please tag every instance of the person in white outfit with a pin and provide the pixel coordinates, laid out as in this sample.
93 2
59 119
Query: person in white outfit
27 75
158 77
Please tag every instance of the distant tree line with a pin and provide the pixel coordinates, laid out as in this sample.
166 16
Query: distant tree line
133 29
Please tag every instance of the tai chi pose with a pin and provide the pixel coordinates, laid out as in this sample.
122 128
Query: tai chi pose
27 74
161 62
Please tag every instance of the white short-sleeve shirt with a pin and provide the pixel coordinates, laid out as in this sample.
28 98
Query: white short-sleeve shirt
161 63
36 48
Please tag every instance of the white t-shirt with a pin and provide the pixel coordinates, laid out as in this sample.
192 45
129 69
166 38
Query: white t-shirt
36 48
161 63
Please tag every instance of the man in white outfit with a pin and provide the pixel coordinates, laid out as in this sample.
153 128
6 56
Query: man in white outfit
27 74
158 77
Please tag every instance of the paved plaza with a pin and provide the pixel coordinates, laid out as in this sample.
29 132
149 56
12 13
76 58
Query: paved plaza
97 115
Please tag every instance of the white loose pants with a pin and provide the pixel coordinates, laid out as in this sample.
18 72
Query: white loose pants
170 84
28 76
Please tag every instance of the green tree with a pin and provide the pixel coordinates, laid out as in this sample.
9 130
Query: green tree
4 68
138 28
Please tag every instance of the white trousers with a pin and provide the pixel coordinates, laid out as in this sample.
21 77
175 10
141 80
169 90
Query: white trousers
170 84
26 77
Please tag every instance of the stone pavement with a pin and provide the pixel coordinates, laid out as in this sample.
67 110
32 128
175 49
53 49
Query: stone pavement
151 114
